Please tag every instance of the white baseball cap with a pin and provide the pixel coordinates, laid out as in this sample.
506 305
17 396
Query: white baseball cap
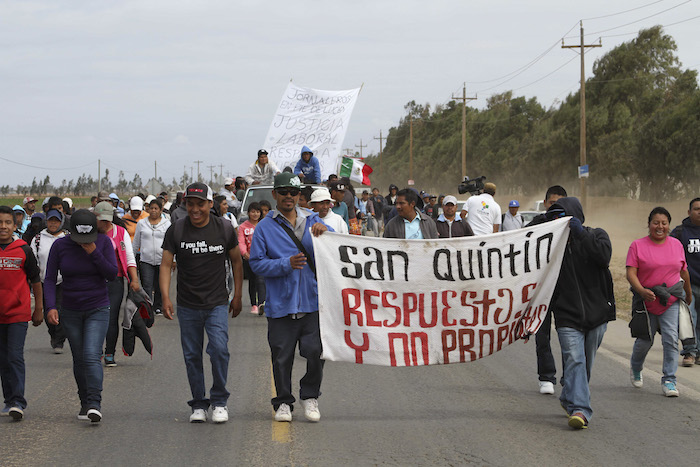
136 204
449 199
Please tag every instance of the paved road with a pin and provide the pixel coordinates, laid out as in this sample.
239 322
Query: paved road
482 413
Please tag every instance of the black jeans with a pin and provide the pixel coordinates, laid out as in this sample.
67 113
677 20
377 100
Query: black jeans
256 285
545 360
115 289
283 335
58 335
150 276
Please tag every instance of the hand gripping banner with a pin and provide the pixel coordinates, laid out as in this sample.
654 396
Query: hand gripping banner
424 302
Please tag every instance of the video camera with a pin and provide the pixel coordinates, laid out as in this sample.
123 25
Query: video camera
474 186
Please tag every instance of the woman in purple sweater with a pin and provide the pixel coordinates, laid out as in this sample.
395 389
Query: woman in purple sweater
87 261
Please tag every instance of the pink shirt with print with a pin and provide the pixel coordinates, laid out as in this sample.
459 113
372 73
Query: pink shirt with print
657 264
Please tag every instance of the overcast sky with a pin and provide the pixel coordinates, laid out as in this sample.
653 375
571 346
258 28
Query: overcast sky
133 82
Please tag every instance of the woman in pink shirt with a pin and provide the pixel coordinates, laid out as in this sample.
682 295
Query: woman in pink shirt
652 261
256 284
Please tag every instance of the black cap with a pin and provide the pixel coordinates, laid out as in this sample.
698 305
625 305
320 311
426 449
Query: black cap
83 226
199 190
261 152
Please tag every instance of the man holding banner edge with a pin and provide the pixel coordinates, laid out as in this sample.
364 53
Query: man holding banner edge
280 253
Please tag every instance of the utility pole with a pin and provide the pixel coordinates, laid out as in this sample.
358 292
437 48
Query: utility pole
380 152
211 174
221 171
582 93
155 172
410 148
361 146
99 175
191 173
348 151
199 175
464 100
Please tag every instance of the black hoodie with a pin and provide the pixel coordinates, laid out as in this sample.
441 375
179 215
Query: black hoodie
583 298
689 235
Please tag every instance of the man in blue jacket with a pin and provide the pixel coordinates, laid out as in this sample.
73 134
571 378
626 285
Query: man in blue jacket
282 252
689 235
308 168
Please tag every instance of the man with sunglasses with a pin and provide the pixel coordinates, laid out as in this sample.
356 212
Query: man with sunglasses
282 252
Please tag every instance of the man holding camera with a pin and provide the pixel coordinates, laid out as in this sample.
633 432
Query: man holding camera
483 212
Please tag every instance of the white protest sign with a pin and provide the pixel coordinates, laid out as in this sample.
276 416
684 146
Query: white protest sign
314 118
423 302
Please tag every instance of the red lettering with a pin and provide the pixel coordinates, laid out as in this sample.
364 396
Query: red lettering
421 337
486 302
409 308
448 347
397 310
483 333
503 334
433 311
392 353
357 348
446 308
526 292
354 309
370 307
474 310
465 347
499 310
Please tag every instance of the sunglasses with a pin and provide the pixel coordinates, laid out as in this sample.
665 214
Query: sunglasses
287 191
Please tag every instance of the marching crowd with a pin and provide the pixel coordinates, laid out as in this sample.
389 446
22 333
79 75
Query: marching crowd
80 265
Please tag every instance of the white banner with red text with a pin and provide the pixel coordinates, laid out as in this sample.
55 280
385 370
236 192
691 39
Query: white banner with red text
399 302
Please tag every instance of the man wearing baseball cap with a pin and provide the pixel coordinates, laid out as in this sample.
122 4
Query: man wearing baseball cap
203 243
512 220
449 224
135 214
282 252
262 171
29 205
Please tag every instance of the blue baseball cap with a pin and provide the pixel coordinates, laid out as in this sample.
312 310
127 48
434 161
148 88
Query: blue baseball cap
513 204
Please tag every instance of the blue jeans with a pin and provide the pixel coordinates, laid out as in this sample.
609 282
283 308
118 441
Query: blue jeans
115 289
12 370
193 323
86 331
578 349
667 324
692 349
150 275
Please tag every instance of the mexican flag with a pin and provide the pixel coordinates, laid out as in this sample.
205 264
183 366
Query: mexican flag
355 169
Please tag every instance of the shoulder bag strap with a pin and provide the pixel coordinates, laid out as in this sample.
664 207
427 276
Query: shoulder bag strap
299 245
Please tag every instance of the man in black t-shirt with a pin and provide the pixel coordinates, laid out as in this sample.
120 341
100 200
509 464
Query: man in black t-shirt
202 243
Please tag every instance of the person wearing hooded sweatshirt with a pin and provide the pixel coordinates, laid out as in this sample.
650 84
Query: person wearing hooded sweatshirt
689 235
18 216
41 246
308 168
582 304
17 269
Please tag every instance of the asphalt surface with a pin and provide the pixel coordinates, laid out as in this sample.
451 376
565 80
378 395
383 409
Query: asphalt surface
487 412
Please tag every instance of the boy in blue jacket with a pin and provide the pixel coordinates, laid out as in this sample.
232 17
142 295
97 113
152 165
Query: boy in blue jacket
282 252
308 168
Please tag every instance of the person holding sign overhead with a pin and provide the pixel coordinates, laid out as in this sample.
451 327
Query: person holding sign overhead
282 252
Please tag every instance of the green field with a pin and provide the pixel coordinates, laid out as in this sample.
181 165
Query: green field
78 201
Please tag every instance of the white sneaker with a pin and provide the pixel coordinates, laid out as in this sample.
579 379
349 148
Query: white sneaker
219 415
198 416
546 387
94 415
283 414
311 411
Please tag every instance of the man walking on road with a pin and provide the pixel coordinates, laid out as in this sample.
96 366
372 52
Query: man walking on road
410 224
582 305
449 224
202 243
689 235
282 252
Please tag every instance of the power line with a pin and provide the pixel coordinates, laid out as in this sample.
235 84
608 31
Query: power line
623 12
633 22
46 168
663 26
